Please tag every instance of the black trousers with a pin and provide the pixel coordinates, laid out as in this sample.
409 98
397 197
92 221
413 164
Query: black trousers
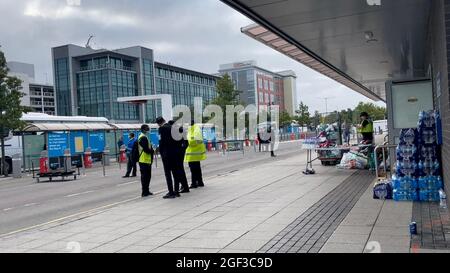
196 171
131 166
180 177
169 164
146 176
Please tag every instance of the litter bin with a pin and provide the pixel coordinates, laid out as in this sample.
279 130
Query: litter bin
17 166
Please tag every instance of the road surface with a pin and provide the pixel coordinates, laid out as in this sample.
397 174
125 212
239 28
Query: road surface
25 203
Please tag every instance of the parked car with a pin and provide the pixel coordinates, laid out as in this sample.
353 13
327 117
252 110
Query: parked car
8 165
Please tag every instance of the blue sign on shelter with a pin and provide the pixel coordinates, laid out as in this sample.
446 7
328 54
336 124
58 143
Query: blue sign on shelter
57 143
97 141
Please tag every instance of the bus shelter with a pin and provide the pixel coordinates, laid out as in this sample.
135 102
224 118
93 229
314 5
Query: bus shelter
55 138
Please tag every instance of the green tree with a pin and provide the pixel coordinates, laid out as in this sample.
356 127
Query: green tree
303 116
10 109
374 111
285 119
227 95
317 119
331 118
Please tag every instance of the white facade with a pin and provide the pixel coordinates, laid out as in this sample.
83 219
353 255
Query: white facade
40 97
290 91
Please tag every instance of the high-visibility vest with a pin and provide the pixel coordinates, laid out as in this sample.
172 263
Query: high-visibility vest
368 128
144 157
196 151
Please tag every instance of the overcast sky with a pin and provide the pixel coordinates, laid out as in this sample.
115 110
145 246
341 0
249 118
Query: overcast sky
195 34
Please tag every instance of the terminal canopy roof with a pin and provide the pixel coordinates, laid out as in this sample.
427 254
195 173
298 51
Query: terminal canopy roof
359 43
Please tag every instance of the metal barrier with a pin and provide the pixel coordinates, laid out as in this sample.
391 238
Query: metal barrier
386 149
227 146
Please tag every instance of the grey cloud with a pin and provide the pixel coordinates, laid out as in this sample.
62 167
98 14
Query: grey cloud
197 34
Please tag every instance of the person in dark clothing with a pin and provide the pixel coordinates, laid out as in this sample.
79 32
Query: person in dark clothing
145 159
170 153
131 165
259 141
271 141
182 145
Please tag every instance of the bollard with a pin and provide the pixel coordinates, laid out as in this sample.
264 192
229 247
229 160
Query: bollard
209 146
44 162
67 160
123 154
88 158
247 143
225 147
16 166
105 159
106 156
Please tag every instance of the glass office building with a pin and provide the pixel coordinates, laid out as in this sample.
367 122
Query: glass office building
88 83
184 85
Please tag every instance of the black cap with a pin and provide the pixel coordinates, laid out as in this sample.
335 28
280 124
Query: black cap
160 120
364 114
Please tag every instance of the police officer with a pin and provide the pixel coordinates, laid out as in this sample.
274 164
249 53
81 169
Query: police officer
195 153
366 128
145 159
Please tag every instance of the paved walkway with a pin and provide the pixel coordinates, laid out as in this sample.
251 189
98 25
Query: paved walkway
271 207
239 212
373 226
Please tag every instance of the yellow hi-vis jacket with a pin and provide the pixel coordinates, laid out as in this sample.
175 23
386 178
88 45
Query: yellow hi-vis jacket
196 151
366 129
144 157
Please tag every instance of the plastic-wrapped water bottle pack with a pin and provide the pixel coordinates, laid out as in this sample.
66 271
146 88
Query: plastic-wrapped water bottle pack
418 168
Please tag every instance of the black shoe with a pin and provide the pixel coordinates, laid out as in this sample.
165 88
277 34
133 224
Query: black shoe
201 185
147 194
169 196
177 194
133 175
193 186
185 191
125 176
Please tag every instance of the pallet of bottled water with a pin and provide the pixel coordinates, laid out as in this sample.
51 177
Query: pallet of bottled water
417 176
